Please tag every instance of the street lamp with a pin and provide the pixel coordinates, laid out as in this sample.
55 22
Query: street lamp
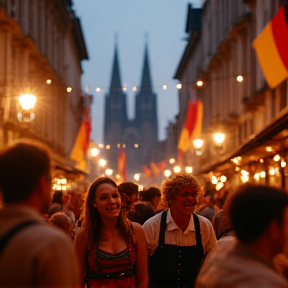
218 142
219 138
27 103
198 146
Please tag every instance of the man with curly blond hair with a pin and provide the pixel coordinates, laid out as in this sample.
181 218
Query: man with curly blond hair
177 238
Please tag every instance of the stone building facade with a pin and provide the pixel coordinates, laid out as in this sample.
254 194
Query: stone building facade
42 40
218 50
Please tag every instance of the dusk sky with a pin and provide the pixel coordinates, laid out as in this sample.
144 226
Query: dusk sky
159 22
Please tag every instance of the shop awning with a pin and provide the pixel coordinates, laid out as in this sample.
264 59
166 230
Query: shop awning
272 135
66 165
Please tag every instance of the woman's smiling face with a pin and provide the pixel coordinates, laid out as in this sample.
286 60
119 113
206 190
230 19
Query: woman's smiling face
107 200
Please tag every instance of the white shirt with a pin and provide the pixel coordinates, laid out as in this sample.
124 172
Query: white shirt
174 235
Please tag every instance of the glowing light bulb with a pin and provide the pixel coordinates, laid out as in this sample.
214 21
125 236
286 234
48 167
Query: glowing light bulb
188 169
167 173
27 101
177 169
137 177
276 158
239 78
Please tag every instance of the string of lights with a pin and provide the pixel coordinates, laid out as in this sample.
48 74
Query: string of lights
199 83
118 146
93 88
126 88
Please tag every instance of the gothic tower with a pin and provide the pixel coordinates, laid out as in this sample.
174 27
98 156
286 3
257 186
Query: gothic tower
115 113
146 112
139 135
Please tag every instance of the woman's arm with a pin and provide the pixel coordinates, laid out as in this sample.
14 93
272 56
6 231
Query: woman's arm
80 251
141 256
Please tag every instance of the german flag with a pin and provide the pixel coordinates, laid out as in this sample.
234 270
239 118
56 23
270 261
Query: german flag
147 171
162 165
192 127
271 47
82 141
155 169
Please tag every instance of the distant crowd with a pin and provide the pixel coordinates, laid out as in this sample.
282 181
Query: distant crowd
183 234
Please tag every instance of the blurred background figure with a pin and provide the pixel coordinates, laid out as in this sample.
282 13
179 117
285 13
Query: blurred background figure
221 221
62 221
77 201
57 197
137 211
225 234
58 208
130 190
66 199
151 195
54 208
208 210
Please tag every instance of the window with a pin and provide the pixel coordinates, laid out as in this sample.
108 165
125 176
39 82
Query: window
283 95
273 102
251 126
245 130
240 133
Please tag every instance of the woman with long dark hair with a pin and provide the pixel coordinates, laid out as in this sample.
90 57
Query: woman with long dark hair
111 250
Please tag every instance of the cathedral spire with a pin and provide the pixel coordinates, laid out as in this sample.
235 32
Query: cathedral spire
146 78
115 78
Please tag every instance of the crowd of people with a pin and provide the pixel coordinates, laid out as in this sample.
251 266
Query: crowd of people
183 235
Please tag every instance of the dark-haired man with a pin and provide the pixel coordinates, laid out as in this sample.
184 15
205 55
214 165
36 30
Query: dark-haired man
259 217
32 252
136 211
130 190
151 195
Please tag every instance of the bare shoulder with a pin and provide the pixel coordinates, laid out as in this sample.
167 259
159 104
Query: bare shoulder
136 227
80 237
80 233
138 233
